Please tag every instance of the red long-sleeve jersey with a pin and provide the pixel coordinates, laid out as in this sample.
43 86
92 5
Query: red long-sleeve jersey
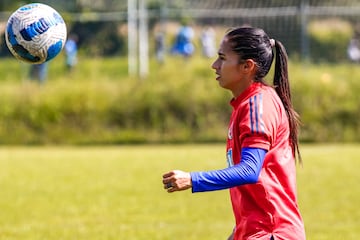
268 207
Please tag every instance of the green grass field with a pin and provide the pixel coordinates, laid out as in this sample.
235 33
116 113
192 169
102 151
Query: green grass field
116 193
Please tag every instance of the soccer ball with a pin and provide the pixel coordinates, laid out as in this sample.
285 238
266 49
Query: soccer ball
35 33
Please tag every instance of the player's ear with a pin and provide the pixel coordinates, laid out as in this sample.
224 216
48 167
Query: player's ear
249 65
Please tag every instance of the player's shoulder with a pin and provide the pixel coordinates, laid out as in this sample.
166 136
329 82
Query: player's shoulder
268 93
263 99
257 94
262 92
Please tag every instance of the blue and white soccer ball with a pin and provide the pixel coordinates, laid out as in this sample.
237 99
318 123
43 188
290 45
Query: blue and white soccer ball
35 33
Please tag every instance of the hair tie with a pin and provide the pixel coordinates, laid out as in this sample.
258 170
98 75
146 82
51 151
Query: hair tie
272 42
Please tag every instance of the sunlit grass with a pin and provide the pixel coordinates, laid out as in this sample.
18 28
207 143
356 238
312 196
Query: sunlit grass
328 191
116 193
106 193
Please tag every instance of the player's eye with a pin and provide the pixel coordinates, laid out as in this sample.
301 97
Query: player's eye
221 57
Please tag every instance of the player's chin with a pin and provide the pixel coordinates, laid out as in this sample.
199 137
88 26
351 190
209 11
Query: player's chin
221 83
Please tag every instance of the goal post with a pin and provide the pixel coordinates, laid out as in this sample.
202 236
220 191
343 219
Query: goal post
138 38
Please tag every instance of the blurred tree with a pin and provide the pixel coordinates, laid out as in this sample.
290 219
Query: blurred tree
99 38
10 5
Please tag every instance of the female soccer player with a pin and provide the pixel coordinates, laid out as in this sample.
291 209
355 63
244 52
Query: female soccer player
262 142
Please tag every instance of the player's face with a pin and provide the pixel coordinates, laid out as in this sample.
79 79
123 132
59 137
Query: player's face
229 69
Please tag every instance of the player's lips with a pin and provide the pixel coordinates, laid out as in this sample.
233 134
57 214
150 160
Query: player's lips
217 76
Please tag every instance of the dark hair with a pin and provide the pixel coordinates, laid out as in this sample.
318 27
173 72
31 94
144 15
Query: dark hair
254 43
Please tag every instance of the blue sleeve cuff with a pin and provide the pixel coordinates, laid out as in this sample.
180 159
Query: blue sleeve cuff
246 172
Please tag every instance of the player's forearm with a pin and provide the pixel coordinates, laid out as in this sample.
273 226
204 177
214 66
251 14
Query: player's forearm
246 172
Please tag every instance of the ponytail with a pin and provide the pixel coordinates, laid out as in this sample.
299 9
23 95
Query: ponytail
282 88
